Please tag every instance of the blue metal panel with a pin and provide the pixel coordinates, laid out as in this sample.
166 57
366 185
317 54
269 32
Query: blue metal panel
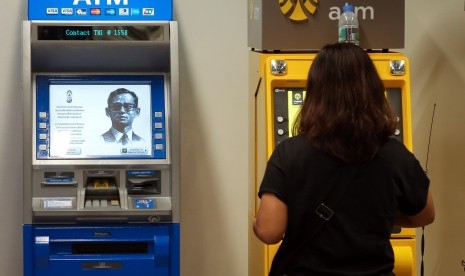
175 249
101 250
27 250
101 10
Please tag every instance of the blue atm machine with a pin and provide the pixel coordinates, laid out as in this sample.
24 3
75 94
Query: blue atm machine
101 138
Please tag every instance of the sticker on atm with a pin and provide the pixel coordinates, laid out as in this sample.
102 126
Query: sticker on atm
144 203
58 203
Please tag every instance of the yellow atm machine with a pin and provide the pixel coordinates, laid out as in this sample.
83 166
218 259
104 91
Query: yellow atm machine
279 61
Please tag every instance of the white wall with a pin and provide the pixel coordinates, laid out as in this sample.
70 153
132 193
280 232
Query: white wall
435 40
11 149
213 64
214 72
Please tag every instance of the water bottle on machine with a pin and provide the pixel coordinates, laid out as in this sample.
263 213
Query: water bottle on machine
348 25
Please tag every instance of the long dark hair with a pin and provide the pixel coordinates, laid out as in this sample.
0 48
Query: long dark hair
345 112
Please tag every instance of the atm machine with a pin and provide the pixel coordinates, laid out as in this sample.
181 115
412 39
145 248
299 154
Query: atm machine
93 206
284 40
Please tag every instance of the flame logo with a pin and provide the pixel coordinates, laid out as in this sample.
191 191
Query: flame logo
298 10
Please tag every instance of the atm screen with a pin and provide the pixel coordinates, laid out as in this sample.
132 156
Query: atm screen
78 117
287 104
289 100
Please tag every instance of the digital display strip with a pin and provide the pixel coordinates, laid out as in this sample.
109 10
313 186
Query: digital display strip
101 33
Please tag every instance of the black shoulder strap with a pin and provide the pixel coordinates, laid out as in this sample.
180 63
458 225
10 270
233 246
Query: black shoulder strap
323 213
325 210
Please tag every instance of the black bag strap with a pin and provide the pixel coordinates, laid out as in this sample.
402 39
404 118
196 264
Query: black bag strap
324 212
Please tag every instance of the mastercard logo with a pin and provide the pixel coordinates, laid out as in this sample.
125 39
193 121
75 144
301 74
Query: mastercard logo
298 10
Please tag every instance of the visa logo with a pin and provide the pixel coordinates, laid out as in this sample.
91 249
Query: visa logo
67 11
148 11
97 2
81 11
52 11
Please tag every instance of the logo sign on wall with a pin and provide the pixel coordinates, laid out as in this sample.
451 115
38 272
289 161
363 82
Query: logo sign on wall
310 24
298 10
101 10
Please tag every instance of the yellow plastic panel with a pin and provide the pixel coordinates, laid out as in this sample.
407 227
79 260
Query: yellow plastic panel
405 257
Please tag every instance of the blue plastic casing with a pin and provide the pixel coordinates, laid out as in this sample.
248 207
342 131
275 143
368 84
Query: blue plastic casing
101 10
101 250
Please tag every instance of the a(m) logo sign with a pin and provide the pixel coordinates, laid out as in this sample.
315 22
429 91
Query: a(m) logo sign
298 10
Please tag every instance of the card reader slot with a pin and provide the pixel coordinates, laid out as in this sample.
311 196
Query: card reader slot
137 186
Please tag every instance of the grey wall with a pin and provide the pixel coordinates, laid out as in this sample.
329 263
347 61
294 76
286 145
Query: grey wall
213 64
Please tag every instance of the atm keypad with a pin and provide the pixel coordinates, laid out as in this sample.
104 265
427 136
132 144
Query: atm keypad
101 203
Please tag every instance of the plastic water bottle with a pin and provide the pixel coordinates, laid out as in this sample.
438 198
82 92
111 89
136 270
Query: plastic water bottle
348 25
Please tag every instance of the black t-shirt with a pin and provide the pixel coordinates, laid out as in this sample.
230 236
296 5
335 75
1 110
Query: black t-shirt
356 241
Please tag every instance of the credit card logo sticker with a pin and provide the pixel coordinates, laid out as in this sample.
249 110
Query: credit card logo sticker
148 11
52 11
67 11
95 11
135 11
81 11
298 10
124 11
110 11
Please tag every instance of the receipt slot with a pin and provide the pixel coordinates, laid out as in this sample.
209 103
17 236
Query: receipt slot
101 148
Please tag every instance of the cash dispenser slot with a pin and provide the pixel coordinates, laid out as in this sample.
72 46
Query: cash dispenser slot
101 191
104 250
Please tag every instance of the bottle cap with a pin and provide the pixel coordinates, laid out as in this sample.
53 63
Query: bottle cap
348 8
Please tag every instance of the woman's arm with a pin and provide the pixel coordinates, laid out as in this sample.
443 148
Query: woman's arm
271 222
425 217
